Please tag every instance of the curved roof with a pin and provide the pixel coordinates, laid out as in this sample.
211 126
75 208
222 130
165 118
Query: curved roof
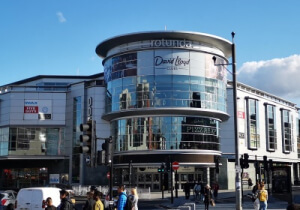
220 43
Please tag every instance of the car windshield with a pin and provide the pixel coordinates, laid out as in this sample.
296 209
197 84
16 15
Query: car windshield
1 196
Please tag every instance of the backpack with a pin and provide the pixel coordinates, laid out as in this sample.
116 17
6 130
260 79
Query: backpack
263 195
129 203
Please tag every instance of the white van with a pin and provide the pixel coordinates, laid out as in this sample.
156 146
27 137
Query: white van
35 198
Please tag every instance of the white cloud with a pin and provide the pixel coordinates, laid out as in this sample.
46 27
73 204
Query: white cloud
279 76
61 17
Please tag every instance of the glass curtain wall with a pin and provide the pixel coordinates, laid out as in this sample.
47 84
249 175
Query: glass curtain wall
166 133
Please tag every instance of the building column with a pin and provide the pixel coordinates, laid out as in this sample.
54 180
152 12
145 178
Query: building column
208 175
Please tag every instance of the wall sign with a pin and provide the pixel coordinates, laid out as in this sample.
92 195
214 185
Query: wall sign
37 109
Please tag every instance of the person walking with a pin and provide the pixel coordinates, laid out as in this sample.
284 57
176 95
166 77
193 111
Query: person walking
65 204
134 197
216 190
90 202
122 198
98 205
263 197
255 196
49 204
197 190
187 190
207 196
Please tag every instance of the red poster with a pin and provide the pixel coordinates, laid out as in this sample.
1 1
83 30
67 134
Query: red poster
31 109
241 114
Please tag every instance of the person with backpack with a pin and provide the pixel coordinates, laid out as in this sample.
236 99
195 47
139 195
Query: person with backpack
263 197
122 198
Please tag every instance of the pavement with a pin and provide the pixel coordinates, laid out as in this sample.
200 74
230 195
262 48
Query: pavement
226 200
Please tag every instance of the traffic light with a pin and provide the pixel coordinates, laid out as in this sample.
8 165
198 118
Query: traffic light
271 164
107 148
242 162
88 140
162 168
246 160
265 163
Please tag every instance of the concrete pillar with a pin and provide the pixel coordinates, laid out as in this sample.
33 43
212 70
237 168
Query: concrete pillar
208 175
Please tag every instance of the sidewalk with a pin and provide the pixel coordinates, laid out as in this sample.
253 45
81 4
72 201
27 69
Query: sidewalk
226 200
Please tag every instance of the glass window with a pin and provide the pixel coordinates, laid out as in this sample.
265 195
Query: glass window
271 135
286 131
253 124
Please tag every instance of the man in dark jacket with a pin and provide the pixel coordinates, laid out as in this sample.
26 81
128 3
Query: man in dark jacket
65 204
89 204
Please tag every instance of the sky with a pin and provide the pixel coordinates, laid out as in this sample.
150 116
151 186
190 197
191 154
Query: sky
59 37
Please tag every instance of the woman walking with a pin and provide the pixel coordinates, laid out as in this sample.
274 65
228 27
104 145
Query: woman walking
207 196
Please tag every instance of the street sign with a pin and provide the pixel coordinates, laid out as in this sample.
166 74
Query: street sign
175 165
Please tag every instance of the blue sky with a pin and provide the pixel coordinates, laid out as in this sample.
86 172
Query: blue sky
59 37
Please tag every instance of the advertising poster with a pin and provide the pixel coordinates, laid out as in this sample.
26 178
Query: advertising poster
37 109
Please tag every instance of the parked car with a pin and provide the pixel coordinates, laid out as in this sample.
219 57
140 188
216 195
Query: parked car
35 198
8 199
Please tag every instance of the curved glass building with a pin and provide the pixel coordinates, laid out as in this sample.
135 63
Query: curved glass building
165 100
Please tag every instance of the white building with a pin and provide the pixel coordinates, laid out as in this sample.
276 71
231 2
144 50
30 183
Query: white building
267 126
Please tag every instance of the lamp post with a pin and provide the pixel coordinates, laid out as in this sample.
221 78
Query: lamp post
236 135
238 169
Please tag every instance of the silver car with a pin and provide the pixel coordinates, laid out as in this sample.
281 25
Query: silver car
7 200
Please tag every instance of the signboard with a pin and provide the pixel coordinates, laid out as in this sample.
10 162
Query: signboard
175 165
54 178
37 109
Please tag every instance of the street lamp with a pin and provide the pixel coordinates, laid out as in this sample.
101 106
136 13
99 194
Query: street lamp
236 141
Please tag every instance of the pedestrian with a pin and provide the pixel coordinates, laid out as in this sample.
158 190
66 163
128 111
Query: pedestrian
187 189
216 190
207 196
255 198
250 183
202 190
90 202
134 198
49 204
263 197
197 190
122 198
98 205
65 204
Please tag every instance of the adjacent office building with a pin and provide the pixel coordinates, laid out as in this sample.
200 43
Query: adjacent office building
163 97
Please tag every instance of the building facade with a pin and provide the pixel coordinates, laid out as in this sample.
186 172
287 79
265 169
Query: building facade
39 129
166 100
163 97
